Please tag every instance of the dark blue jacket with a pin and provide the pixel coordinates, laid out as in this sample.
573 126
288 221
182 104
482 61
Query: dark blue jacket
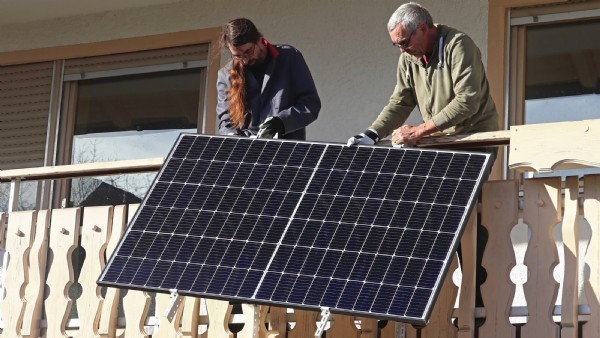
288 91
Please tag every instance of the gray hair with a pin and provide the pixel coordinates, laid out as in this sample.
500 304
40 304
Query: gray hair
410 15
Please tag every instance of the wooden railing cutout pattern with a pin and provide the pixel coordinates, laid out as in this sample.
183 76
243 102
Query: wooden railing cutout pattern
32 236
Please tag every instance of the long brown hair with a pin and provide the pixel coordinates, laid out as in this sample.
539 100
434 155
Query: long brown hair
236 33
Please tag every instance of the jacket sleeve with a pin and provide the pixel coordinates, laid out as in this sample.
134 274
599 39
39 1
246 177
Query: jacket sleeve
226 127
307 103
467 80
401 104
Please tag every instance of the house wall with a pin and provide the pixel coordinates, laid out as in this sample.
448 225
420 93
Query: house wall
345 43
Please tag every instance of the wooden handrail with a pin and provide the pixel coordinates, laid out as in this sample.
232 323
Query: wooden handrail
476 140
484 139
82 170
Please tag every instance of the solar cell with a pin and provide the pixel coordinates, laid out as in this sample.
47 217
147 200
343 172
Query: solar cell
361 230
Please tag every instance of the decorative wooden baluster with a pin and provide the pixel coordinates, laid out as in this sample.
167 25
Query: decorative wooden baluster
166 328
18 245
541 214
34 293
263 320
466 310
136 304
306 324
591 211
109 317
343 327
278 321
499 214
251 315
64 235
440 324
368 328
219 313
570 234
190 318
95 233
254 322
203 328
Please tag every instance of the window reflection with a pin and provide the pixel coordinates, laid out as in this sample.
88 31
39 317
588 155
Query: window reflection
27 195
562 73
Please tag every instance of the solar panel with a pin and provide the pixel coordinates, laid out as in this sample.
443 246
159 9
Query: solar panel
367 231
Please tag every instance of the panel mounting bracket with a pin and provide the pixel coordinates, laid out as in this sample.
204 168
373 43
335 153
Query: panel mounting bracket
325 315
173 305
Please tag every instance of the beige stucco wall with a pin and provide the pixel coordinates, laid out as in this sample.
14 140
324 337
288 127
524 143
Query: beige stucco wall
345 42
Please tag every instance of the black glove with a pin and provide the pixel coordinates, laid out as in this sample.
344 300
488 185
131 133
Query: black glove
369 137
272 126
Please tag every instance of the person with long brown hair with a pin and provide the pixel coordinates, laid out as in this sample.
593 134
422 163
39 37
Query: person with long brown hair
265 89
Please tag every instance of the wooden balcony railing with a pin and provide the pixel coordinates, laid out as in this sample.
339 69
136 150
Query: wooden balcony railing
534 288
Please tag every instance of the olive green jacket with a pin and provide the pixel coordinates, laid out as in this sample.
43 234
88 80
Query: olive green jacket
452 90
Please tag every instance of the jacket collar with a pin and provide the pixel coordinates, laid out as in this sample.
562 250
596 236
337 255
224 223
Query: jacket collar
272 50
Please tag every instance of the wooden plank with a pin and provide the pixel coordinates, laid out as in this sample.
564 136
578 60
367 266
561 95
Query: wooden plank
306 324
166 328
278 321
466 310
254 322
190 318
390 329
263 321
570 234
368 328
342 326
82 170
536 146
542 212
591 211
95 233
219 313
18 242
108 318
410 331
251 315
203 328
34 293
499 214
483 139
64 235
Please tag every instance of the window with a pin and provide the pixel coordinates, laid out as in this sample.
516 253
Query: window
114 113
44 120
554 67
562 81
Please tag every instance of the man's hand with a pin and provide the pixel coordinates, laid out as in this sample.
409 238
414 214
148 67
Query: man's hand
369 137
409 135
271 127
406 134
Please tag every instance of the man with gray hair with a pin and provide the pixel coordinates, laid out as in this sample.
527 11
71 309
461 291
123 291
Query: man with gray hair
440 70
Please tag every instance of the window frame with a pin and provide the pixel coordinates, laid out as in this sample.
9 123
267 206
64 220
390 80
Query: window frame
61 112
